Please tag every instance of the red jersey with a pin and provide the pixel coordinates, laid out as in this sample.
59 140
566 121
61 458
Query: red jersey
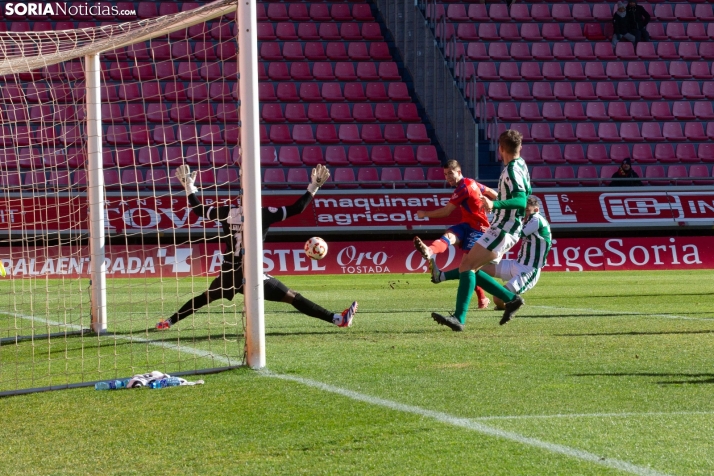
468 196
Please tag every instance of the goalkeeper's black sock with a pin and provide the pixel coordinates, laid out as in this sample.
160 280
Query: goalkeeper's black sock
311 309
189 308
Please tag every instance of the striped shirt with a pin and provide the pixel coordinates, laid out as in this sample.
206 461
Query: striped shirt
536 242
514 178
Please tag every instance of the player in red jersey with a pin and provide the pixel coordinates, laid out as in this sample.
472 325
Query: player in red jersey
467 197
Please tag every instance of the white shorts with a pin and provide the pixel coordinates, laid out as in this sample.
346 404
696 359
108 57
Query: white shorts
498 241
520 278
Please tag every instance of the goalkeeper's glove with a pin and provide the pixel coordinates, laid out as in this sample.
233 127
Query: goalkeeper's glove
187 179
319 176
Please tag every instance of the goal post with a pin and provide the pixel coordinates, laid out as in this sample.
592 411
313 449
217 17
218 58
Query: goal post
95 231
250 142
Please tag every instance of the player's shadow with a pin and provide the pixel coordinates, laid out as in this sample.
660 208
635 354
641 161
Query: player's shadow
683 378
635 333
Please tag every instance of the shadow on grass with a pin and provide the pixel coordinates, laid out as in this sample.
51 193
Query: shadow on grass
692 378
634 333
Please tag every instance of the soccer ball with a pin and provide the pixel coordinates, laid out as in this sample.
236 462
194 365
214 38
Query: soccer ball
316 248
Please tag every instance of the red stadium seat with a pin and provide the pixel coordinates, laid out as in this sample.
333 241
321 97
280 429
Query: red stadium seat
274 179
587 176
349 134
414 177
345 178
368 177
381 155
541 176
326 134
358 155
699 175
585 132
391 177
312 155
551 154
597 153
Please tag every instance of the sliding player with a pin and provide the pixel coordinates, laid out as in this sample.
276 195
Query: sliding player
467 197
513 189
520 274
230 281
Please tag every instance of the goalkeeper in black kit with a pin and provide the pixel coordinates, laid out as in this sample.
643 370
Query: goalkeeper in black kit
230 280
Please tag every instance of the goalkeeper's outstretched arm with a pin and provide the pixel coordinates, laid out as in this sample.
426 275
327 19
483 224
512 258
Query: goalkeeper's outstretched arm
188 179
319 176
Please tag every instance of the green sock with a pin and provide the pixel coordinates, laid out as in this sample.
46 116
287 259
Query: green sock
491 286
451 274
467 283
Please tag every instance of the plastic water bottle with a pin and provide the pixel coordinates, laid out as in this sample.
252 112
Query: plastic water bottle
166 382
111 384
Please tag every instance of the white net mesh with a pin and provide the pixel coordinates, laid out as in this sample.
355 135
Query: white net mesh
169 96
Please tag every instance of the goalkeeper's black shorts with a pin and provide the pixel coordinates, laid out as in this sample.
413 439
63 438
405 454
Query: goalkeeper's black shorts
230 283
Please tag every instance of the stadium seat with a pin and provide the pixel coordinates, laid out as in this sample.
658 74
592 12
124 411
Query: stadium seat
551 154
686 153
596 153
606 173
552 111
562 91
618 111
585 132
630 132
705 152
414 177
541 176
358 155
682 110
649 90
662 153
700 70
416 133
573 111
661 111
274 179
344 178
349 134
563 133
354 92
326 134
584 91
595 111
672 131
381 155
627 90
573 71
637 70
519 52
603 51
587 176
391 177
607 132
521 91
404 155
653 172
341 113
541 51
526 133
677 175
392 133
426 155
531 154
368 177
699 175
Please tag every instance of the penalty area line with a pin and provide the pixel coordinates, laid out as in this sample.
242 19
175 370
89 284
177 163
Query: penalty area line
473 425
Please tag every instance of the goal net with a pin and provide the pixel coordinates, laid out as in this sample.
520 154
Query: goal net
169 95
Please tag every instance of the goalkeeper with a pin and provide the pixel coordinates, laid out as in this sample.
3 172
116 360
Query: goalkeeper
230 280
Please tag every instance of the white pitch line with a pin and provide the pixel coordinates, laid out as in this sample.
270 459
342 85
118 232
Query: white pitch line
593 415
468 423
608 311
166 345
472 424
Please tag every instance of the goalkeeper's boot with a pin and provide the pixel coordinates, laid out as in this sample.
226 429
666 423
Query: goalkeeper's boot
436 274
163 325
422 248
449 321
484 303
512 307
345 319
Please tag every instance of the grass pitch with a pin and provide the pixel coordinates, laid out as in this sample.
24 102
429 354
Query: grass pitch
599 374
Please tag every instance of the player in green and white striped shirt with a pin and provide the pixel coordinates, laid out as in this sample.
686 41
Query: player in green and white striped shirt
514 187
522 274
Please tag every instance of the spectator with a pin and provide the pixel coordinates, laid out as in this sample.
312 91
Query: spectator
625 172
620 25
637 20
